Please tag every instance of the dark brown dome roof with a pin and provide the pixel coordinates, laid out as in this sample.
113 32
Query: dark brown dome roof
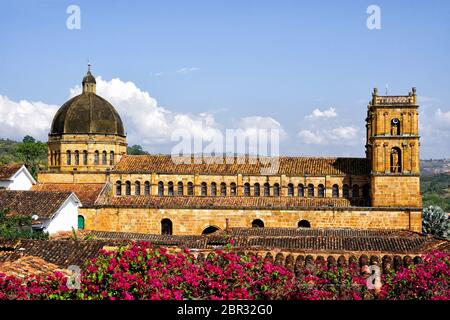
87 113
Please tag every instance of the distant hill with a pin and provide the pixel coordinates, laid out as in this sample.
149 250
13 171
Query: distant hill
436 190
8 151
435 166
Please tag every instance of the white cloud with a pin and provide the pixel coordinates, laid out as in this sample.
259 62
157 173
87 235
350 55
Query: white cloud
443 116
326 114
187 70
340 135
18 119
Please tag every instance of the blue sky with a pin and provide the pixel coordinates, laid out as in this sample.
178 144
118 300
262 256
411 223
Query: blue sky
234 60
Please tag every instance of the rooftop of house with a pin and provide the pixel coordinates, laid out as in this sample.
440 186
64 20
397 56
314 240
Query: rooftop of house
8 170
86 192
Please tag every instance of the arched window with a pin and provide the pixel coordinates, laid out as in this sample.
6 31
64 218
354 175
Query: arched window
233 189
266 189
170 188
118 188
246 189
160 188
85 157
180 189
320 191
301 190
166 226
366 191
104 157
310 190
256 190
210 229
137 188
96 154
146 188
111 158
68 158
290 190
190 189
276 190
304 224
335 191
395 127
396 160
80 222
77 157
257 223
355 191
223 189
345 191
203 189
213 189
127 188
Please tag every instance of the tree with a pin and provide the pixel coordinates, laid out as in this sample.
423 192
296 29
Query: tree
136 150
33 154
435 221
18 227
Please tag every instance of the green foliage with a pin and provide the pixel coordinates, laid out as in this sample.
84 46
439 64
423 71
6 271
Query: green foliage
33 154
8 151
436 190
435 221
136 150
18 227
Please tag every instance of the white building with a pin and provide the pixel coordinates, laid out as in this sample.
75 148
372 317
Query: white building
15 177
51 211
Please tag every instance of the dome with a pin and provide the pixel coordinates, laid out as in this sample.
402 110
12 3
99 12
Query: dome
87 113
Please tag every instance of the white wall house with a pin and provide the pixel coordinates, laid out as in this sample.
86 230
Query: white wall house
15 177
51 211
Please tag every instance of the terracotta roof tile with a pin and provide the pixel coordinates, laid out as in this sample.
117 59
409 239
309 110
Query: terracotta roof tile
43 204
86 192
287 166
8 170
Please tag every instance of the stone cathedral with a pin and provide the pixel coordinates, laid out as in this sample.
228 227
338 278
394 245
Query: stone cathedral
152 194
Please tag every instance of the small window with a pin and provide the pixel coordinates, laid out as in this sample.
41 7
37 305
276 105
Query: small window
160 188
104 158
96 154
180 189
146 188
137 188
276 190
290 190
266 190
190 189
233 189
213 189
335 191
170 188
256 190
320 191
118 188
166 226
77 157
257 223
203 189
127 188
345 191
80 222
210 230
68 158
304 224
223 189
395 127
355 191
310 190
246 189
111 158
301 190
85 157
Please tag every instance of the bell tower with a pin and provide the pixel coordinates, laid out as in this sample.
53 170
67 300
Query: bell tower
392 149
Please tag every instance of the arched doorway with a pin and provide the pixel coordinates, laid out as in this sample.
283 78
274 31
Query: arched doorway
257 223
210 229
80 222
304 224
166 226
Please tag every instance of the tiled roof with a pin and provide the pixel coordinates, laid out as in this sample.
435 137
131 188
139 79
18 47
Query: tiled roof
28 265
287 166
43 204
8 170
220 202
86 192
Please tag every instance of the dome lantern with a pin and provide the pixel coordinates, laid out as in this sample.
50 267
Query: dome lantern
89 84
